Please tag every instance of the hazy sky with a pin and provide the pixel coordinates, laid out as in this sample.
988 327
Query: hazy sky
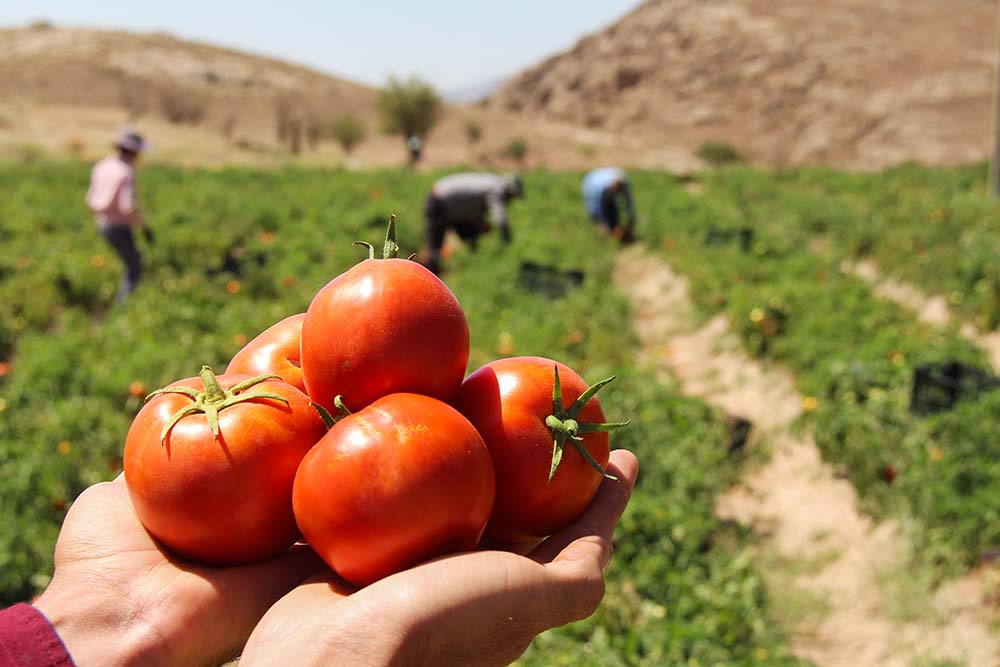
451 43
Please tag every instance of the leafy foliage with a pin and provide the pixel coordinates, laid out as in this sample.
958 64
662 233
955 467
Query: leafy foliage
348 131
793 300
409 108
237 250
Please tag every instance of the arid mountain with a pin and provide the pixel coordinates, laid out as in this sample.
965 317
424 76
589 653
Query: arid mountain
160 75
67 91
854 83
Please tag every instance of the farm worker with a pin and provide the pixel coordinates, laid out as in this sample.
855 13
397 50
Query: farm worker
603 189
415 146
468 203
112 198
116 598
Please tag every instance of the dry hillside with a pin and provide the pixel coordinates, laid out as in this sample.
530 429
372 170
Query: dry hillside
854 83
150 75
68 90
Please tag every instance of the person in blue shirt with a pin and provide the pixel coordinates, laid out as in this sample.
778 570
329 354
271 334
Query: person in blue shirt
603 190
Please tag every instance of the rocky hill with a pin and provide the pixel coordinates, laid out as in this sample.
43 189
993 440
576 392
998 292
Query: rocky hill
68 90
158 75
853 83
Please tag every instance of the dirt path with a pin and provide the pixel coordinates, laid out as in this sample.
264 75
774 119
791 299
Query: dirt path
839 582
931 310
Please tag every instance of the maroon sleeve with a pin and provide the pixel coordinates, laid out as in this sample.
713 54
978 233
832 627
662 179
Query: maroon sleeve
27 639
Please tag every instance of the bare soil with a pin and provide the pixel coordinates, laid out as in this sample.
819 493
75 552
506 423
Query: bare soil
840 582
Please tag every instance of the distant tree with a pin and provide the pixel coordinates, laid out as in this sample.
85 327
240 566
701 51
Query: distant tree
314 129
289 123
473 131
409 108
348 131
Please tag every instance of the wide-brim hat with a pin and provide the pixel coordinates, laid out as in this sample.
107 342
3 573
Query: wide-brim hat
130 141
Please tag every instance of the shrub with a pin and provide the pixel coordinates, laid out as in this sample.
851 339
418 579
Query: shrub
516 148
348 131
182 106
719 153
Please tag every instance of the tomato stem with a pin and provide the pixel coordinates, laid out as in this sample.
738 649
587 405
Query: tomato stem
324 414
390 249
564 426
214 399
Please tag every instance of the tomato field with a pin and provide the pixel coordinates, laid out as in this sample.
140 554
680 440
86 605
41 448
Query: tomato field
238 250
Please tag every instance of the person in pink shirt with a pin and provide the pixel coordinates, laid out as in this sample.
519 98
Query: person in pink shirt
112 199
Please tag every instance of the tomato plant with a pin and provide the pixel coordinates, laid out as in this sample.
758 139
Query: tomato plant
528 409
384 326
210 461
406 479
274 350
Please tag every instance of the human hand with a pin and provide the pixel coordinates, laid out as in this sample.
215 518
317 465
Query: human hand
117 598
481 608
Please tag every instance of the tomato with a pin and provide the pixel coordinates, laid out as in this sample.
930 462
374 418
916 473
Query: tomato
540 445
275 350
220 495
404 480
384 326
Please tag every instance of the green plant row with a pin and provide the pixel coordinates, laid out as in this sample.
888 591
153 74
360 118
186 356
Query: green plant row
936 228
235 251
853 354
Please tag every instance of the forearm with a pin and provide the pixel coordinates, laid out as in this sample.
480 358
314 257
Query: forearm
135 218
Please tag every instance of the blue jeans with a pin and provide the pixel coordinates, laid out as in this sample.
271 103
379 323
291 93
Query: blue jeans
122 240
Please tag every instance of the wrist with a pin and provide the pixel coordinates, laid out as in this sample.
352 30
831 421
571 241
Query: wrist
97 631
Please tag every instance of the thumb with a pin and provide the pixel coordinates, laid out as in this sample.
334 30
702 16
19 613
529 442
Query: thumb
588 539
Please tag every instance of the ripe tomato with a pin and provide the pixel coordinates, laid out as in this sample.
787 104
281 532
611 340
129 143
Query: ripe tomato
404 480
540 437
275 350
222 494
382 327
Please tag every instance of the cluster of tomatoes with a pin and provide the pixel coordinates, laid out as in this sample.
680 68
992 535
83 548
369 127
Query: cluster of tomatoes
354 427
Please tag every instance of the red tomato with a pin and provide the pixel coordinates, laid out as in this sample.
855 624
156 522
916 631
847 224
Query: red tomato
404 480
382 327
275 350
221 498
510 401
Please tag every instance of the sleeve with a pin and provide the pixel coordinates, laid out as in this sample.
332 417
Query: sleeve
126 195
27 639
97 198
498 211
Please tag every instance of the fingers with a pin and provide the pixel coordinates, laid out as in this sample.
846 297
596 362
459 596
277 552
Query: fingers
587 541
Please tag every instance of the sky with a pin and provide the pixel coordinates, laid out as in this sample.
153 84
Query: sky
450 43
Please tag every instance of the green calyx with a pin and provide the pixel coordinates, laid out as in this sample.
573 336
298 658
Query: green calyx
214 399
564 426
390 250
